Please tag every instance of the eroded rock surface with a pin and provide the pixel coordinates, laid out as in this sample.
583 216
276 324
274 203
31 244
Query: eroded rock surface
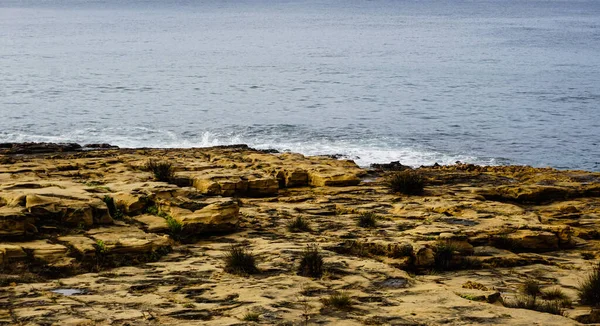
91 238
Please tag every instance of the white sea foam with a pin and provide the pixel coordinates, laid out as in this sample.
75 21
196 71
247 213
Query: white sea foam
363 154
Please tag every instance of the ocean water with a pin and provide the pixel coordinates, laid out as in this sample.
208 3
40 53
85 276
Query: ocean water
481 81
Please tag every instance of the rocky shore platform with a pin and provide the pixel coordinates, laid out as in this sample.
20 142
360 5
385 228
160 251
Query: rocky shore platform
89 236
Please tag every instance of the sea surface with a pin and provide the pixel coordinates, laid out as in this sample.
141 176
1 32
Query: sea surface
481 81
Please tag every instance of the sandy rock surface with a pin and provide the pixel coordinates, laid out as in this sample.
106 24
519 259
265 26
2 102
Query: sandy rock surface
91 238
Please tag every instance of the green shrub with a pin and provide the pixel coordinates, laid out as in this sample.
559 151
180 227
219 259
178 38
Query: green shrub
238 261
100 247
367 220
339 300
152 210
589 288
299 224
163 171
311 263
406 182
175 228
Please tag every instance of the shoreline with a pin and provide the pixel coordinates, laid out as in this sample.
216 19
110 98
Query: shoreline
30 148
101 229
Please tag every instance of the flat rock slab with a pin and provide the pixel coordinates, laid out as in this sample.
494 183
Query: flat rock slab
127 240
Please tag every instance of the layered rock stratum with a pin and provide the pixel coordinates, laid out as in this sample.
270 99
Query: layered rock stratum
89 237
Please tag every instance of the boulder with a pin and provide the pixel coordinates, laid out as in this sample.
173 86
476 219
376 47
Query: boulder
130 203
127 240
68 211
14 222
424 257
261 186
10 252
293 178
220 215
332 178
83 245
533 240
49 253
528 193
152 223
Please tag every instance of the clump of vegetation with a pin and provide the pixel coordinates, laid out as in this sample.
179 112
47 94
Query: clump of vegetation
113 209
592 318
339 300
403 250
152 210
406 182
556 294
175 228
251 316
162 170
589 288
100 247
588 255
367 220
527 302
239 261
554 300
444 254
450 255
503 241
532 288
299 224
472 297
311 263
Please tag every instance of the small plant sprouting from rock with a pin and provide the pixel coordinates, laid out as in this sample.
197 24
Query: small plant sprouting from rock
367 220
299 224
162 170
239 261
152 210
589 288
251 316
100 247
339 300
311 263
406 182
175 228
114 211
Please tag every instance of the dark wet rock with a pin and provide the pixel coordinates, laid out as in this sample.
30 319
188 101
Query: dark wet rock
101 146
392 166
37 148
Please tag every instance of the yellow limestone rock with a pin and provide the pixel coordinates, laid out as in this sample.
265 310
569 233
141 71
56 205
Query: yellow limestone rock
14 222
221 214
